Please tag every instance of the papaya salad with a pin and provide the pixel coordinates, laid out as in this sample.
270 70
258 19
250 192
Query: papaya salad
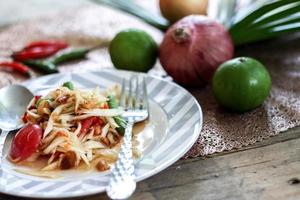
70 127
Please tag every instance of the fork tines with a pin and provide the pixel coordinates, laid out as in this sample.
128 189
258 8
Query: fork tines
134 93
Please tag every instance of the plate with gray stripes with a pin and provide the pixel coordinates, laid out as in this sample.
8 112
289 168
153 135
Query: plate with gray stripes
173 127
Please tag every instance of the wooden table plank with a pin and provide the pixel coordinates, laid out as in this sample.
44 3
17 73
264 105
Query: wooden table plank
264 171
261 171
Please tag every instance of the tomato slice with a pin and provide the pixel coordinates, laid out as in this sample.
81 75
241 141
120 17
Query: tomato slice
88 123
37 98
25 117
26 142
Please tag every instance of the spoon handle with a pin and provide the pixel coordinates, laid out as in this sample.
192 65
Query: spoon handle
2 141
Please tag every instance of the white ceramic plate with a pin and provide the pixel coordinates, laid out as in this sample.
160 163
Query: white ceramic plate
175 124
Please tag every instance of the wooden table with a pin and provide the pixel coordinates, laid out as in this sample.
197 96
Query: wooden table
266 170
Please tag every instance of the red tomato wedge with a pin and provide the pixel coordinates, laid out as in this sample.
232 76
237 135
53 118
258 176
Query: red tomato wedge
26 142
88 123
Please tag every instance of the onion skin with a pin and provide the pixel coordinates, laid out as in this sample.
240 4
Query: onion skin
174 10
193 48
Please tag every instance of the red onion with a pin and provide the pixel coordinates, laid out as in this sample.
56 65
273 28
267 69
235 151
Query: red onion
193 48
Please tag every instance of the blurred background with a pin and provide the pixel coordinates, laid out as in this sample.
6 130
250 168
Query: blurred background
17 10
13 11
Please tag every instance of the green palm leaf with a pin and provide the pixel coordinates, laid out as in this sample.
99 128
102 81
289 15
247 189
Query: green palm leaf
251 13
259 21
265 33
294 8
285 21
138 11
266 21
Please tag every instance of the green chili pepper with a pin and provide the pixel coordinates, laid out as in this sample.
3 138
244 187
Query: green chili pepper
70 55
69 85
42 65
112 103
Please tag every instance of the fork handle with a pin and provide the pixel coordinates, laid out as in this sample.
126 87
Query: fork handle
122 181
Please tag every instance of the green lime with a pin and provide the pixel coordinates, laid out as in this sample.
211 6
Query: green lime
241 84
134 50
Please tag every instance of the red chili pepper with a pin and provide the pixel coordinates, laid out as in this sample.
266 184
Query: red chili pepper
45 43
35 53
39 49
17 67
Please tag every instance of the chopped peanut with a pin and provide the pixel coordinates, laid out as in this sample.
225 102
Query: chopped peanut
102 166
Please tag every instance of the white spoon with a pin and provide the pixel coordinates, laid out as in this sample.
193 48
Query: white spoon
13 102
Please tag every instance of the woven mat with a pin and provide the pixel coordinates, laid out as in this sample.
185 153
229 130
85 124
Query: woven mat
90 26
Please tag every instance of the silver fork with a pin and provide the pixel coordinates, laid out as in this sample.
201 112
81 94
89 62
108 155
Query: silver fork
135 102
